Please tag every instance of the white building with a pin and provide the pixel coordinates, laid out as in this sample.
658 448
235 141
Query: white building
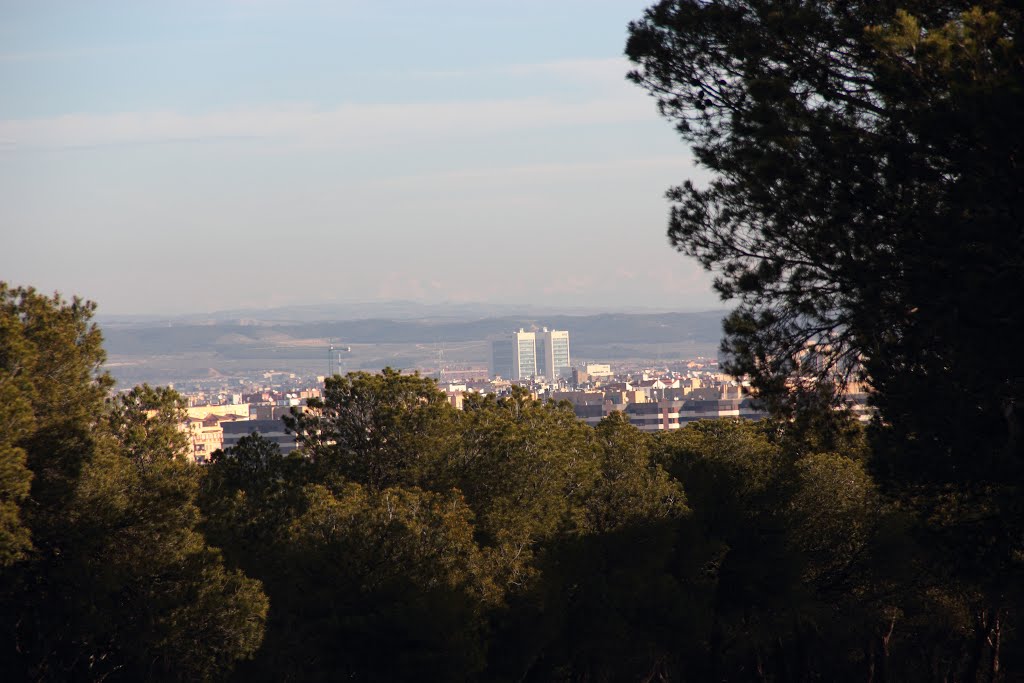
598 370
526 355
515 357
553 354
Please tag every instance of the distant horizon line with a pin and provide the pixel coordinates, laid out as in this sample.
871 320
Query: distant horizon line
435 308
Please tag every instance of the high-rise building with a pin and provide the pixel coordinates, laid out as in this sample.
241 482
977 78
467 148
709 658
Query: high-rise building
553 354
515 357
525 344
523 355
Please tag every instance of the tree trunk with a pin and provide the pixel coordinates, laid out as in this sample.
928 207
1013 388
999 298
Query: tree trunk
883 646
982 633
994 642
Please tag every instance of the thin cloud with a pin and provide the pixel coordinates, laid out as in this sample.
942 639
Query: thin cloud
542 173
604 69
355 125
41 56
115 50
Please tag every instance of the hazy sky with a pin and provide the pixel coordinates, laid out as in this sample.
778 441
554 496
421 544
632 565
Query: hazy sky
183 156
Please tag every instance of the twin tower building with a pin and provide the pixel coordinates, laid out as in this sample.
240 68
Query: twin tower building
529 355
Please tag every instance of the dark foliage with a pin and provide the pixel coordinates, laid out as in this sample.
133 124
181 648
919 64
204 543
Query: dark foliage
508 541
866 204
108 578
865 210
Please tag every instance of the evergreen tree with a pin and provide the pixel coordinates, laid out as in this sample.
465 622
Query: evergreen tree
118 583
865 212
864 207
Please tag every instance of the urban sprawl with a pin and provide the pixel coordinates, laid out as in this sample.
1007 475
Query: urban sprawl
652 398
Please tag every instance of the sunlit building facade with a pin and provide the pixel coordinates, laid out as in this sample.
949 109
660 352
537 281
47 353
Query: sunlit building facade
526 355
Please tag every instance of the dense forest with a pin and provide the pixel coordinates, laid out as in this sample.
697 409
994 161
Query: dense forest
507 541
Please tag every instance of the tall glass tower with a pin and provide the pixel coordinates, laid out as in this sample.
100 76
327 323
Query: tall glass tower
524 355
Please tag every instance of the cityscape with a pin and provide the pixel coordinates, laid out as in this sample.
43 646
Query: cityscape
651 398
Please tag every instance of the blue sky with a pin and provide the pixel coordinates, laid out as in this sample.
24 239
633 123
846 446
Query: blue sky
169 157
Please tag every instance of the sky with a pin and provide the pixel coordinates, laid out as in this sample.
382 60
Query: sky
184 157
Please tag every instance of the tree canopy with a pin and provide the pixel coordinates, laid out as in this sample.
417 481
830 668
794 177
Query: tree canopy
864 211
865 202
508 541
103 572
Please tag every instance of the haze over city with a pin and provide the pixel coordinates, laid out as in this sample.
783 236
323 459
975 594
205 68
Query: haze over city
194 157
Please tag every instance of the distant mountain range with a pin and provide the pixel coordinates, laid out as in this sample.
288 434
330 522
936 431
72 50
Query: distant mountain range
385 310
186 334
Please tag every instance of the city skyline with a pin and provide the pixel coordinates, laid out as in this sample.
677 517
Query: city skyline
257 154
